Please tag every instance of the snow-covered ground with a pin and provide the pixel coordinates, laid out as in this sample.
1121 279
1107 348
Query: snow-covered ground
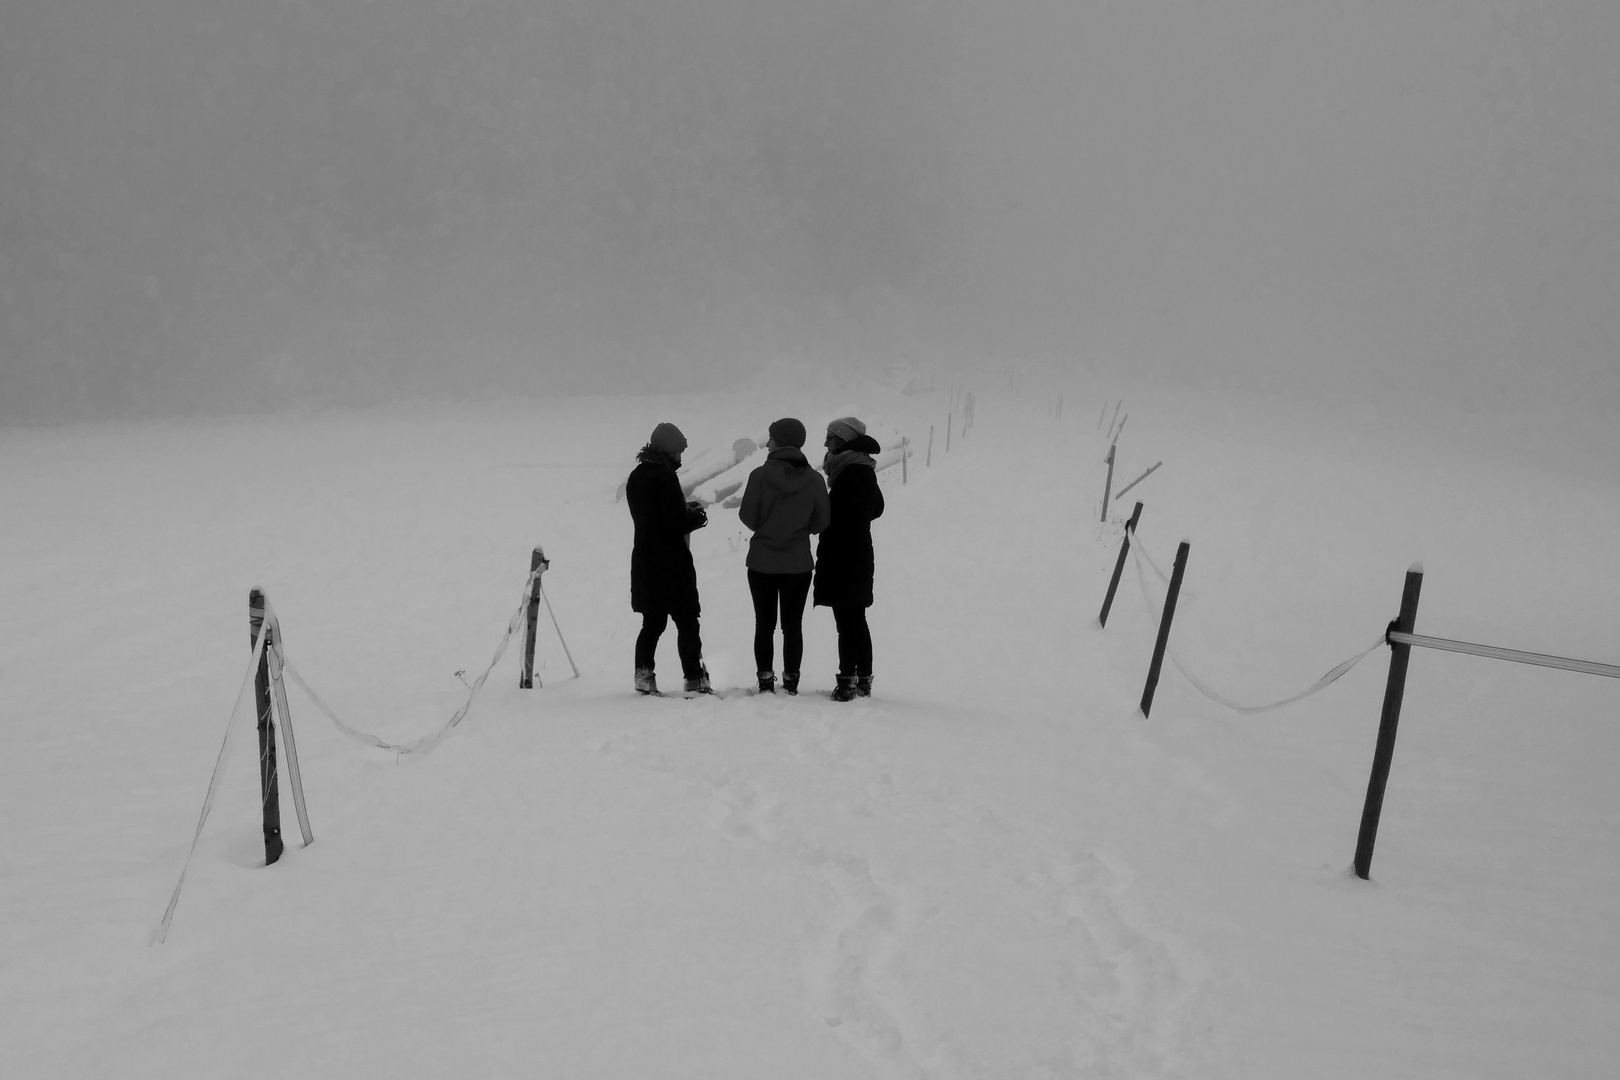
995 867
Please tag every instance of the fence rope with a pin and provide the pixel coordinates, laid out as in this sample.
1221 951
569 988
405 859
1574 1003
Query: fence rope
426 742
231 726
1198 684
1518 656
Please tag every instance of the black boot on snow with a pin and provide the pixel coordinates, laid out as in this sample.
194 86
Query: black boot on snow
790 682
846 688
863 686
700 685
646 682
767 682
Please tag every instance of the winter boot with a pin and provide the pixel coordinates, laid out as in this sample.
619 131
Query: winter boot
846 688
790 682
700 685
646 682
863 686
767 682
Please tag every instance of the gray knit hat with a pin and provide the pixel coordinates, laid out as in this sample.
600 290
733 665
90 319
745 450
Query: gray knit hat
846 428
668 438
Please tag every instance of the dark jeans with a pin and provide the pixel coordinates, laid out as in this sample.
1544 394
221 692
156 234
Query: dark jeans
854 640
687 642
770 591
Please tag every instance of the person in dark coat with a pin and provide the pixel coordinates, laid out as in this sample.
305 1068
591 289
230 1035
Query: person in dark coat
844 559
784 501
663 579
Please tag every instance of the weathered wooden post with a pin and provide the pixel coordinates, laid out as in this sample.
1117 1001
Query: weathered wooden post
928 461
1388 721
949 419
1164 628
904 448
269 788
1119 567
537 567
1108 483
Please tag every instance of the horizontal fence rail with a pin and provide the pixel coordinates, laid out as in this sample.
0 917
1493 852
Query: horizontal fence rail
1590 667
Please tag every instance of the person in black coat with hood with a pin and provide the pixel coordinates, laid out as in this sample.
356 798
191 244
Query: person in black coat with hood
663 579
845 565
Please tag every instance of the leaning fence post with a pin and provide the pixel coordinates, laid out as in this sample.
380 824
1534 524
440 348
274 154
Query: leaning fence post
1384 753
269 789
1164 628
905 452
1108 483
928 459
537 565
278 689
1119 567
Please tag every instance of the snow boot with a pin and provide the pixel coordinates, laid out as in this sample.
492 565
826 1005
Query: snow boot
790 682
767 682
646 682
846 688
863 686
700 685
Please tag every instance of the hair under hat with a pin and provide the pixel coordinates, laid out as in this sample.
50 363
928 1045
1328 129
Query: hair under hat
668 438
789 432
846 428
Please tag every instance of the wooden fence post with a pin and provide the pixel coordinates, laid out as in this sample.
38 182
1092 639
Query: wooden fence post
269 789
905 448
537 565
1119 567
1388 721
1107 484
949 419
928 461
1164 628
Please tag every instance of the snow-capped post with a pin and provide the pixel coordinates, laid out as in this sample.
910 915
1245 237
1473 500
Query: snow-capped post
269 788
1108 483
1394 690
1164 628
537 567
1119 567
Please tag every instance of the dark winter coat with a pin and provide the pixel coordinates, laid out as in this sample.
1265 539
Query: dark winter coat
784 502
844 560
662 575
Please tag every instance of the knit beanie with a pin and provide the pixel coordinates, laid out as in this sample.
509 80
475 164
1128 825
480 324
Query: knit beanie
788 432
668 438
846 428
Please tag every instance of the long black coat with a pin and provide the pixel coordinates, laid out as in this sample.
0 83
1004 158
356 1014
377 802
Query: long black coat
662 576
844 561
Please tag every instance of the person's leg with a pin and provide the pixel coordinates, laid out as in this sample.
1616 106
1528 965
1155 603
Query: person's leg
844 617
690 645
652 628
795 591
764 588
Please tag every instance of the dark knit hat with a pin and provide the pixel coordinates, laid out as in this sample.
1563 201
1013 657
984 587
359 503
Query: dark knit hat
846 428
788 432
668 438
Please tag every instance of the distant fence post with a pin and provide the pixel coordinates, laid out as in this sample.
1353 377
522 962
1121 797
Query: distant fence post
1119 567
905 452
1164 628
269 788
1108 483
537 565
1388 721
928 461
949 419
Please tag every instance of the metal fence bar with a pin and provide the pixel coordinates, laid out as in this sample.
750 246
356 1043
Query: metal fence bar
1590 667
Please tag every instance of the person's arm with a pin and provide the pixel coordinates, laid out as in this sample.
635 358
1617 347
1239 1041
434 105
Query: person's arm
748 511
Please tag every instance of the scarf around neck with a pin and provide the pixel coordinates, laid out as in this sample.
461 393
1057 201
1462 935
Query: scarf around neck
836 463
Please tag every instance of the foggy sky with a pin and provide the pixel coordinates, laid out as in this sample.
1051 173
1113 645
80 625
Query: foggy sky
211 205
